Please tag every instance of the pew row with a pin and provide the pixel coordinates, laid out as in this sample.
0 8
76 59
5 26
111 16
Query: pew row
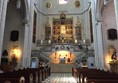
29 75
85 75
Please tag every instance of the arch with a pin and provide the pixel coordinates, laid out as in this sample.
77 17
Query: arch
62 56
24 9
99 9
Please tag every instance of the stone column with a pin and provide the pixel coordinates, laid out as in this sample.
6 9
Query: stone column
3 9
100 46
116 11
95 34
27 47
27 36
96 47
1 4
86 21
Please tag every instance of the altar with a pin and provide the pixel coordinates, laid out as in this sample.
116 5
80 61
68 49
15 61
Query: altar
63 68
62 60
62 57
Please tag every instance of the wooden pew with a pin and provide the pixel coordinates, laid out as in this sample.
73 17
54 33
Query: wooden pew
11 78
95 76
30 75
15 75
102 79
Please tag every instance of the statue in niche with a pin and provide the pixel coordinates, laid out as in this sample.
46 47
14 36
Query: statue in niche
78 29
47 22
78 22
62 15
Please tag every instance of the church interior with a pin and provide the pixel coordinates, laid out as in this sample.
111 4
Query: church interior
58 41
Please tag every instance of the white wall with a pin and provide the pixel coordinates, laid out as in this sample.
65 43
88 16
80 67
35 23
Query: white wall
13 22
3 8
56 7
69 9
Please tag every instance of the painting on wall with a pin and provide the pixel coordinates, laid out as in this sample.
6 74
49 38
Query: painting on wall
48 4
77 3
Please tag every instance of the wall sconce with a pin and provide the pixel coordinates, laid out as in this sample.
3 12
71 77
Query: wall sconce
76 41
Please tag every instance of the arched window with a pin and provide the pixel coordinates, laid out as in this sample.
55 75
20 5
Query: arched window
14 35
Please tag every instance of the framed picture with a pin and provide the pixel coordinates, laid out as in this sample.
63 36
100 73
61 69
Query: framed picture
48 4
77 3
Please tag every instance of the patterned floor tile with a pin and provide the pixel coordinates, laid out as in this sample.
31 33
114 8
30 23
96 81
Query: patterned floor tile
60 78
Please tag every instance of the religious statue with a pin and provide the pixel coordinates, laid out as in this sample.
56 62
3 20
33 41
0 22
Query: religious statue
114 56
62 16
78 22
47 22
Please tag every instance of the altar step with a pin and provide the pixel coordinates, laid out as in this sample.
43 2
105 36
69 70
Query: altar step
60 78
63 68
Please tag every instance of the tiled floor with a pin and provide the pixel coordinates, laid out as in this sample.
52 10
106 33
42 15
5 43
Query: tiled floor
60 78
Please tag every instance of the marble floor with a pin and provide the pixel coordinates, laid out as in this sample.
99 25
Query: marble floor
60 78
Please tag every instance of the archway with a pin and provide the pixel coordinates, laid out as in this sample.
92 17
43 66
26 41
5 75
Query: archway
62 57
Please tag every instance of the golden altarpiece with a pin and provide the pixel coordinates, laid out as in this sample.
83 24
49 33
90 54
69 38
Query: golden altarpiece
62 30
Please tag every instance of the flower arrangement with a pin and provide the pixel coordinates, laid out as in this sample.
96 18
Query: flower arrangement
84 59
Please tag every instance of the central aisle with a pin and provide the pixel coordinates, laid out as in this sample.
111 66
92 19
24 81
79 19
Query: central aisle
60 78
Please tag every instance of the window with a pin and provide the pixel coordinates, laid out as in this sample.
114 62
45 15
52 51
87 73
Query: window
63 1
34 27
91 27
112 34
106 2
